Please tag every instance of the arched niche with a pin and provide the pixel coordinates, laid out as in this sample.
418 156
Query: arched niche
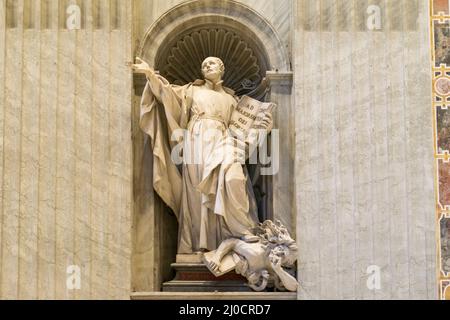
230 14
180 58
155 231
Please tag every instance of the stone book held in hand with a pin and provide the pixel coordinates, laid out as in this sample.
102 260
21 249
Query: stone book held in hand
248 115
227 264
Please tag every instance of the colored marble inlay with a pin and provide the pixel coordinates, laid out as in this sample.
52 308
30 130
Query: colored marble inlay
443 130
442 43
442 86
444 184
445 290
440 23
440 7
445 246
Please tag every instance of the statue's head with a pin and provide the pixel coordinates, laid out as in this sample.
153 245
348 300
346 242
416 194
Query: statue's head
278 243
287 254
213 69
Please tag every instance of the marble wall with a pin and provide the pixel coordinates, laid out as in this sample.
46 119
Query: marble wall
65 149
364 150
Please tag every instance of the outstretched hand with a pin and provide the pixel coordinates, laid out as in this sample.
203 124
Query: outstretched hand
140 67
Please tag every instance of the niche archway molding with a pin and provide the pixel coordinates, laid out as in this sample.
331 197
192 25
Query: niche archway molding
230 15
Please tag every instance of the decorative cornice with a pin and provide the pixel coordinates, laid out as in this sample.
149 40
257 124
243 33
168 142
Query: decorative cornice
280 78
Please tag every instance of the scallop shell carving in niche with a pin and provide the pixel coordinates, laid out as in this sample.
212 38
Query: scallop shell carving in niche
242 71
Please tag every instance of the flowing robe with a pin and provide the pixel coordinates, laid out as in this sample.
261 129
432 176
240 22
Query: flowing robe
212 198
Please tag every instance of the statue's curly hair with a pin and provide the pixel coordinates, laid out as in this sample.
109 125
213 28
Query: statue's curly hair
275 235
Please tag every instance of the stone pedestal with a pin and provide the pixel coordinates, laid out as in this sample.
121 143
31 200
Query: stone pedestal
195 277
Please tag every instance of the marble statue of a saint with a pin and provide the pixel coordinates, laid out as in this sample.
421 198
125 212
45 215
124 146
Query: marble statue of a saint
212 201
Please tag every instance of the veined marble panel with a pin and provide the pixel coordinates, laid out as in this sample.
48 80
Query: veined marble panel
65 123
364 150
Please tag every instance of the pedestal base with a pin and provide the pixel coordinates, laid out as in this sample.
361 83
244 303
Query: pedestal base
195 258
195 277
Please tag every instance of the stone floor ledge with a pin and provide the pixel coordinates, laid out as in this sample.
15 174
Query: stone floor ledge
213 296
